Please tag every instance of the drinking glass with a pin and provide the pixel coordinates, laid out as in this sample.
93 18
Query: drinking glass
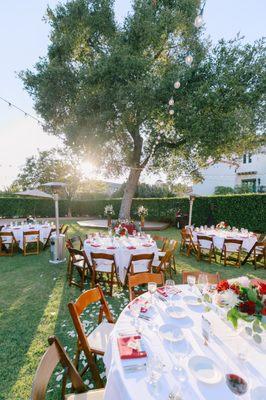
191 280
154 371
152 287
180 351
169 286
135 308
202 282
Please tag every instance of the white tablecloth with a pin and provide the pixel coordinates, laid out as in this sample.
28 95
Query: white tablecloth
219 235
18 232
122 252
222 349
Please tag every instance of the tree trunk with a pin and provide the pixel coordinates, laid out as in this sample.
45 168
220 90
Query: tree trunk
130 190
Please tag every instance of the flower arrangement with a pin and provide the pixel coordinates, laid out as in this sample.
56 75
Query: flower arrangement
222 225
246 300
109 210
142 211
120 230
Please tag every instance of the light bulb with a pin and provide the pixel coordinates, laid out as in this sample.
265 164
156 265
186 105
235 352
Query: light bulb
198 21
171 102
189 59
171 112
177 85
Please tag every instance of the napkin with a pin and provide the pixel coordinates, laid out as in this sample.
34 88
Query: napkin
131 247
144 304
130 347
95 245
162 291
111 248
146 245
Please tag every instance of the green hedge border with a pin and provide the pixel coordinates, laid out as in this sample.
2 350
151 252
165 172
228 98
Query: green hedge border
246 210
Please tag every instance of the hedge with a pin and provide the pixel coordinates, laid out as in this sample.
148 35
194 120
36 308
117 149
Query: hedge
246 210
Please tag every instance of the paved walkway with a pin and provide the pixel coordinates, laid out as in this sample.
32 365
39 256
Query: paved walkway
102 223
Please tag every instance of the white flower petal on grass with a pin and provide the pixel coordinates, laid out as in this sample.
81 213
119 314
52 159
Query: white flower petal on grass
87 382
68 385
59 377
91 386
71 333
102 375
50 390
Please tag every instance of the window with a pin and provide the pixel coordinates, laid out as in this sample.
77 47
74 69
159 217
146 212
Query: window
244 159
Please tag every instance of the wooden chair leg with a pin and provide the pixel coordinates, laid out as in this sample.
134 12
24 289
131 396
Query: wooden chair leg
70 277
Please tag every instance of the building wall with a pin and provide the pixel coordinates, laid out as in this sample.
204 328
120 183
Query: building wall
223 174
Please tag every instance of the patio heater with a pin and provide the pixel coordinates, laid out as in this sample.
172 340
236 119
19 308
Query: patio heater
58 239
192 197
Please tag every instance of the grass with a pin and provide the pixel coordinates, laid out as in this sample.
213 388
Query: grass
33 305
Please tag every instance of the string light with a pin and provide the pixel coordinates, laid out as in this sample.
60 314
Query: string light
26 114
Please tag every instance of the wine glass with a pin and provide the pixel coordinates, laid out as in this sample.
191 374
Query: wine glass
169 286
191 280
152 287
135 308
202 282
154 371
180 351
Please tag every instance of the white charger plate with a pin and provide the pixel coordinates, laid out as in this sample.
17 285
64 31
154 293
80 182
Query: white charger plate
258 393
176 312
171 333
192 301
204 369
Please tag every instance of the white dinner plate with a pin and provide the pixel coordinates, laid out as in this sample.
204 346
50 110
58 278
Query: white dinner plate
258 393
204 369
171 333
176 312
192 301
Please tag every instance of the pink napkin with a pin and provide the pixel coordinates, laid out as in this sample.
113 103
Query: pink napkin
88 241
95 245
126 352
162 291
131 248
144 303
111 248
146 245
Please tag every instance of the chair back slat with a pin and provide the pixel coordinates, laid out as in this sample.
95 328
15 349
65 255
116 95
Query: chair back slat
142 279
87 298
102 256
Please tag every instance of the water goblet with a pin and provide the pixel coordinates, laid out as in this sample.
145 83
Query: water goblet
135 311
202 282
191 280
152 287
180 351
169 287
154 371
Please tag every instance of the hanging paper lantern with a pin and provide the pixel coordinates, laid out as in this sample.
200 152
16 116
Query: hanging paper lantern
171 102
189 59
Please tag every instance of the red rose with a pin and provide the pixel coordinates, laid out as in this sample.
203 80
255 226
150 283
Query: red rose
248 307
222 285
235 288
263 311
261 285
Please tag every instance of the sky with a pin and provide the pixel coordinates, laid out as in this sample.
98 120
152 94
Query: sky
24 38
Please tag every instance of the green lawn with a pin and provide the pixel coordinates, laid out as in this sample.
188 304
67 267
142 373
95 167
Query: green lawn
33 305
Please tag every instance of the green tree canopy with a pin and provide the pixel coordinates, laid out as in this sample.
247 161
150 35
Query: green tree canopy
105 88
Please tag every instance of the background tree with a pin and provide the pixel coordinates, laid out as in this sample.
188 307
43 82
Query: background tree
107 87
145 190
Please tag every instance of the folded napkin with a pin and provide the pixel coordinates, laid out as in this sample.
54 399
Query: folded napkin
162 291
87 241
144 304
130 347
147 245
131 247
95 245
111 248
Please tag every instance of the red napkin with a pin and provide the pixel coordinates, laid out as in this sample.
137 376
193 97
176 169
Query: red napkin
88 241
162 291
111 248
143 301
96 245
131 248
146 245
127 352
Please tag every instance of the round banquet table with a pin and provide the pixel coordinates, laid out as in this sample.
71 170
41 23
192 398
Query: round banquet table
122 248
18 231
219 235
222 349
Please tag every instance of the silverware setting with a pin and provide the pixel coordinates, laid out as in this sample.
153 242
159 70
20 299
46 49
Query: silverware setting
134 367
145 317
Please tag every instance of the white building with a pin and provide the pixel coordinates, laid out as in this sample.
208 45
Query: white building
250 169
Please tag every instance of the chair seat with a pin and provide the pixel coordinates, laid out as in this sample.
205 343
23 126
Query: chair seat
260 250
80 263
97 394
99 337
161 254
104 268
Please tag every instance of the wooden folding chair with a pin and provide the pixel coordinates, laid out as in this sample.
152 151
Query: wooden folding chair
103 263
172 247
64 229
163 264
31 238
259 254
7 243
96 341
78 260
75 242
54 355
231 248
47 242
261 239
140 263
212 278
205 247
164 241
142 279
187 243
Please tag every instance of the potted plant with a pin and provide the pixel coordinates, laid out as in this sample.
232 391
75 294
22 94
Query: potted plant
142 212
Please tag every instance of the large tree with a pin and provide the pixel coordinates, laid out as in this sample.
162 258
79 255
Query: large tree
105 88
